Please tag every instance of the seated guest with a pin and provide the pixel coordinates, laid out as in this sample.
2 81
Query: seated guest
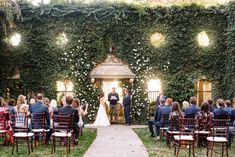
152 122
220 113
11 107
232 117
68 109
228 106
166 109
31 102
211 105
191 111
40 107
185 105
52 107
20 104
176 110
233 104
204 118
231 134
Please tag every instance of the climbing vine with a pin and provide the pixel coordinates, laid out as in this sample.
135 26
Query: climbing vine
92 30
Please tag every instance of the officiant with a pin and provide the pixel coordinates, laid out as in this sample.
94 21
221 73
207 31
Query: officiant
113 98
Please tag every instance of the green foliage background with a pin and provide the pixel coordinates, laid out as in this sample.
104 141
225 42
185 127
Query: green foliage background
179 62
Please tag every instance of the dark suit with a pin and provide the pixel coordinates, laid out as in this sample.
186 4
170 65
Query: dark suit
191 111
39 107
232 117
162 110
221 113
127 104
152 122
68 109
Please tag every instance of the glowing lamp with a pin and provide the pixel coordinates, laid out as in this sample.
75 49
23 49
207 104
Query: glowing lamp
15 39
157 39
203 39
154 85
62 39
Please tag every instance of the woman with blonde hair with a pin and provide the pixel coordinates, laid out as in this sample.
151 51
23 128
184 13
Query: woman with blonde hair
52 107
20 104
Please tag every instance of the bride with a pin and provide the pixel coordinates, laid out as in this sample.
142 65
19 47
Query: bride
101 117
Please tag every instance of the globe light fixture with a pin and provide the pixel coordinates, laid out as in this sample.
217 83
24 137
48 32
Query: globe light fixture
157 39
62 39
15 39
203 39
154 85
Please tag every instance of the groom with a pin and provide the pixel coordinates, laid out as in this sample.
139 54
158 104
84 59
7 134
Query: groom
113 98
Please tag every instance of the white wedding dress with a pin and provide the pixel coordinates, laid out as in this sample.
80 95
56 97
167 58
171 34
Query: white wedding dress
101 117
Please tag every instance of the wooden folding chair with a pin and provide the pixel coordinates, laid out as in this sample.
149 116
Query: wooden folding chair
62 131
173 129
21 131
219 136
3 129
185 139
202 132
164 125
38 126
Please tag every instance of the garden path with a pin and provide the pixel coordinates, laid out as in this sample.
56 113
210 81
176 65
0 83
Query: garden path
116 141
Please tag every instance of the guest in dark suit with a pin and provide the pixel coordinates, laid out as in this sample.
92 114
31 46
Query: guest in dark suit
127 104
191 111
211 105
159 97
220 113
39 107
232 117
228 106
68 109
163 110
152 122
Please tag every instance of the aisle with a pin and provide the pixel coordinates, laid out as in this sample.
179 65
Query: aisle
116 141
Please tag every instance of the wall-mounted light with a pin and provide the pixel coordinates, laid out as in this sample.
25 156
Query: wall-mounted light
154 85
157 39
62 39
15 39
203 39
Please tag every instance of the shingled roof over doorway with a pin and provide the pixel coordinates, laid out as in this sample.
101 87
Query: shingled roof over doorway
112 68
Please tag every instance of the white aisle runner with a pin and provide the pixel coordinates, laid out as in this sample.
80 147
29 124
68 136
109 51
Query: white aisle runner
116 141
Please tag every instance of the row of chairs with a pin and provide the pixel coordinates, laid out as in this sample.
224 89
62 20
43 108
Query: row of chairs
30 127
183 134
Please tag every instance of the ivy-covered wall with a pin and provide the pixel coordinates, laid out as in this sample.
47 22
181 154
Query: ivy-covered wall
179 62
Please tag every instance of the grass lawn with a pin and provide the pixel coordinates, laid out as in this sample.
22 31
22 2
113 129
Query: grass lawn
85 141
159 148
